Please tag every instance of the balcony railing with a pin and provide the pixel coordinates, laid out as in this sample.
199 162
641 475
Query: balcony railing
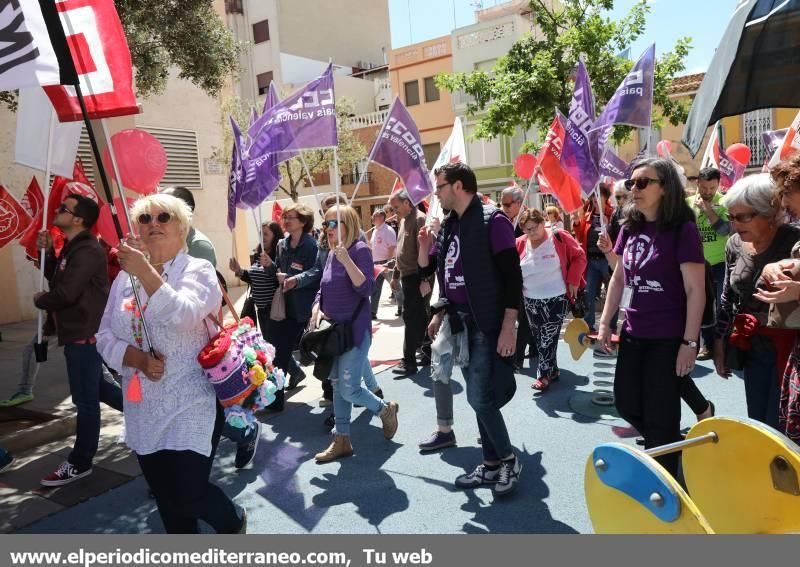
367 120
352 178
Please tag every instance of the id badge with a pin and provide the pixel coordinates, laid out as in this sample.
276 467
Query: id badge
627 297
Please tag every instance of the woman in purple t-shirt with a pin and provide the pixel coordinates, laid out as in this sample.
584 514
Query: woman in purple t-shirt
660 284
344 297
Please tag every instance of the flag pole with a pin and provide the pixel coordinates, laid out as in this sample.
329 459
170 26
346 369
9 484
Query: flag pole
311 181
524 198
372 151
43 250
338 186
115 167
110 199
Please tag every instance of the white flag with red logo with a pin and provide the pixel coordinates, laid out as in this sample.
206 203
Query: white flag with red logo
790 145
13 217
453 151
100 53
33 199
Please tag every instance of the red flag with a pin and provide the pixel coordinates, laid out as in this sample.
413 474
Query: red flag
33 200
552 176
277 211
105 224
397 187
61 188
13 217
100 52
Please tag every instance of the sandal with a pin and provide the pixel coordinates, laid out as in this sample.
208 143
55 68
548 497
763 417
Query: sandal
541 384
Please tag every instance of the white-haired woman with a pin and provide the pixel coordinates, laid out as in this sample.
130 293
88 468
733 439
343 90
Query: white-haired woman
760 238
172 418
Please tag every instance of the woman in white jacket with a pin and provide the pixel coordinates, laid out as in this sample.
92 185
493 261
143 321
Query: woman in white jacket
172 419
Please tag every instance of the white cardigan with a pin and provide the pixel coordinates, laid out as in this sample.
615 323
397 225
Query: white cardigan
177 412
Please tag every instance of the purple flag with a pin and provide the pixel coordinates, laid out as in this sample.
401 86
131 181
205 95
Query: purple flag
235 179
730 170
303 121
253 116
773 139
632 104
576 156
611 165
272 97
399 148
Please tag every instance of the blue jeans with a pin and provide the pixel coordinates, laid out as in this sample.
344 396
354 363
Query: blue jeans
480 396
596 272
761 388
346 375
718 277
88 387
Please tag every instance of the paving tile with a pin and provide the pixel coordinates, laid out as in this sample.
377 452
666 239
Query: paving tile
23 508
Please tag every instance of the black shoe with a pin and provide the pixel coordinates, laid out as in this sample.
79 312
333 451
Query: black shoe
374 317
424 361
640 441
404 370
246 452
277 405
295 379
329 422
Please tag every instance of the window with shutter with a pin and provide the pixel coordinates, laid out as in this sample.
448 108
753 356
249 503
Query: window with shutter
263 80
261 31
412 92
754 124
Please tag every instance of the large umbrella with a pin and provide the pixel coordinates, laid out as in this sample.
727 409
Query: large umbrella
756 65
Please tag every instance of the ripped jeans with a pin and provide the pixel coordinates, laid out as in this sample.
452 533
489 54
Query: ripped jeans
346 378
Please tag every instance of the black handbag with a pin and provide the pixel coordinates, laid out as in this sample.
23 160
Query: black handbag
327 342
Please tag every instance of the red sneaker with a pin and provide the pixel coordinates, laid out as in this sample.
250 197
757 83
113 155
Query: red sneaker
64 474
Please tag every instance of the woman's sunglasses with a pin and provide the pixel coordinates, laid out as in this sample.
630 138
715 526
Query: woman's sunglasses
742 218
147 218
330 223
640 183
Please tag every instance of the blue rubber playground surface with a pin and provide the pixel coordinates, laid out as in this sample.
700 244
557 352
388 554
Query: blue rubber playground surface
389 487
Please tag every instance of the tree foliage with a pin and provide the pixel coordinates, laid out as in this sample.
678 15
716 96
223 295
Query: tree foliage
525 86
163 34
350 150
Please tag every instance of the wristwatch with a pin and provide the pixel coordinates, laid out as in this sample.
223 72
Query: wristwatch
691 344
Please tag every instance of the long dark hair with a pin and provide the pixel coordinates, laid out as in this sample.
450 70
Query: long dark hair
673 211
277 234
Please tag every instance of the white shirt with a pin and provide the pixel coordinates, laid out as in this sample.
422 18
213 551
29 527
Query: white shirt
177 412
383 238
541 271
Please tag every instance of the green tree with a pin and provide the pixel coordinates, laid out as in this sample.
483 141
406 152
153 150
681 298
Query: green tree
526 85
350 150
185 34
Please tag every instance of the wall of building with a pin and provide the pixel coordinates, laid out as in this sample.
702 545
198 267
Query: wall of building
349 31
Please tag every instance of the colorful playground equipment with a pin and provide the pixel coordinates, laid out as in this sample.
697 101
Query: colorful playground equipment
741 477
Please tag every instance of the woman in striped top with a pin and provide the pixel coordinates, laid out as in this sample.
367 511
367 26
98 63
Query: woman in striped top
262 275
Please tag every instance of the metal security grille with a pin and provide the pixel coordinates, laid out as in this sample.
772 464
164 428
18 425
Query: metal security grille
754 124
85 156
183 156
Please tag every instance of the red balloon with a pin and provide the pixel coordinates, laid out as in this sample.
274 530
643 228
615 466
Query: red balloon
524 165
105 224
664 148
141 159
739 152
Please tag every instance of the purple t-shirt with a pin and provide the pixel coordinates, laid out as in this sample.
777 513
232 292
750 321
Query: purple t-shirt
501 237
658 307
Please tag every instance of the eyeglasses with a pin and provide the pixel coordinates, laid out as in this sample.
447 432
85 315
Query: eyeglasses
287 217
442 185
147 218
333 223
742 218
64 209
640 183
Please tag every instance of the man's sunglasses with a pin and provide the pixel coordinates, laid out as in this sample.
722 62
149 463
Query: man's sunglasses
147 218
333 223
640 183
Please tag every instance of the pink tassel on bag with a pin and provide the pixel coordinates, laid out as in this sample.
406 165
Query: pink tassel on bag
134 391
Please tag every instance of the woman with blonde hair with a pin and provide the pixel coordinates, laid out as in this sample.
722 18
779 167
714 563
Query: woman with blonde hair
344 298
172 419
554 217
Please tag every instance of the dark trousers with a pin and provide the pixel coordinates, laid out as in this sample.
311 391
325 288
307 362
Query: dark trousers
524 337
718 277
285 337
415 318
264 322
692 395
88 387
761 388
647 392
179 480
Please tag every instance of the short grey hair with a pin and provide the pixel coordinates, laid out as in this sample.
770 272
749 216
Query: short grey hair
401 195
758 193
515 191
620 186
